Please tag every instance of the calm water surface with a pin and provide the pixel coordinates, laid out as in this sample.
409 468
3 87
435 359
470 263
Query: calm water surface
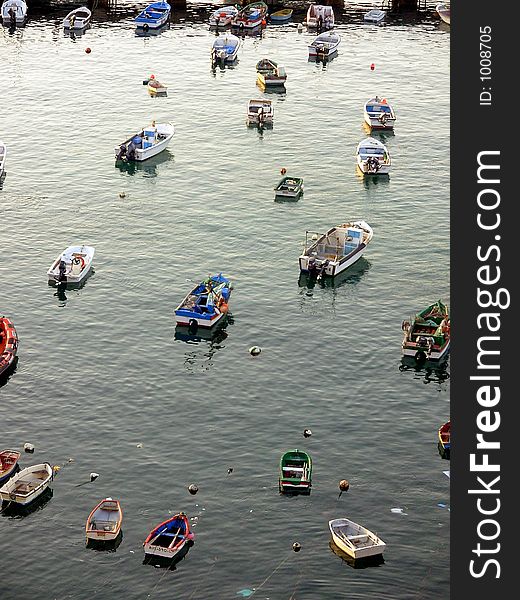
101 377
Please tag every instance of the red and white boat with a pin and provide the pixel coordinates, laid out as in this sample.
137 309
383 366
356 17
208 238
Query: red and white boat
250 16
8 344
223 16
169 538
104 522
8 464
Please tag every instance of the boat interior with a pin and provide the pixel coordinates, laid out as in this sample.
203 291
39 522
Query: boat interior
7 459
373 151
341 241
105 519
170 534
375 108
29 482
256 105
356 536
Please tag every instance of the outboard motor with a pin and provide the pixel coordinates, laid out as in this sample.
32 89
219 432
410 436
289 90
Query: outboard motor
322 270
122 152
62 270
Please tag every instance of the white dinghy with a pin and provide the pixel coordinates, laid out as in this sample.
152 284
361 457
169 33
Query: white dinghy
79 18
223 16
147 143
332 252
320 17
373 157
29 483
374 16
14 12
325 44
3 156
379 114
357 541
72 265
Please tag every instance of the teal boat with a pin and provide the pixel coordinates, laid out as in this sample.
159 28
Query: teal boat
295 472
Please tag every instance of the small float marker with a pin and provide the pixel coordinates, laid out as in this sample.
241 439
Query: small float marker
307 433
255 350
28 448
94 476
193 489
343 486
372 66
88 50
296 546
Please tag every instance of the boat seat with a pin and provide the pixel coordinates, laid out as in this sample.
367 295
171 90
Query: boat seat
358 538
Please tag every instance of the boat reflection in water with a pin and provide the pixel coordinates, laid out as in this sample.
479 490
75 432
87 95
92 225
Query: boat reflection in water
19 511
428 371
140 32
360 563
102 546
146 168
164 562
205 343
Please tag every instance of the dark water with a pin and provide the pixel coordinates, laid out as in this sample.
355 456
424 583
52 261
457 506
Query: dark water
101 378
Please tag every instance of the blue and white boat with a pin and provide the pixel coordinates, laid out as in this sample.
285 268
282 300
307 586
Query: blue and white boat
206 304
225 49
374 16
153 16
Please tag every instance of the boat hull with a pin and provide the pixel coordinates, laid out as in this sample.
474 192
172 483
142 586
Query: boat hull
375 123
9 347
187 320
414 350
313 51
9 492
270 80
358 553
334 267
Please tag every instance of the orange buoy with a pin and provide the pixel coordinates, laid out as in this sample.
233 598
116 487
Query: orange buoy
152 76
264 22
88 50
283 170
372 66
223 307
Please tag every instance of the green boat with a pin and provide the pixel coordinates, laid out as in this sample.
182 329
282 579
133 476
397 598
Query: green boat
289 187
295 472
427 335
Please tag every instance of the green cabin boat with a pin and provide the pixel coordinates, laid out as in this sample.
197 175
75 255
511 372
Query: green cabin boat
295 472
289 187
427 335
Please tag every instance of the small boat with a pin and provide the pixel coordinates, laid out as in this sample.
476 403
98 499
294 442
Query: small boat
332 252
223 16
29 483
355 540
444 436
289 187
260 112
206 304
146 143
295 472
169 538
153 16
156 87
427 335
281 16
104 522
3 156
8 344
379 114
374 16
325 44
320 17
14 12
250 16
79 18
269 74
225 49
444 12
8 464
72 265
373 157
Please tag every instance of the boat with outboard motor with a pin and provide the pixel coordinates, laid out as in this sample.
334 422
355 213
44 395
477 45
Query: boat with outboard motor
153 16
72 265
250 16
225 49
320 17
372 157
379 114
206 304
223 16
427 335
146 143
14 12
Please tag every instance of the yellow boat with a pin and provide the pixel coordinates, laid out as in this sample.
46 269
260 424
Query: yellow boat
280 16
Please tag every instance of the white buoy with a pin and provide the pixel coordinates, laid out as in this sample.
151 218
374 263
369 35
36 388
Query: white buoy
300 27
122 194
314 237
255 350
307 433
94 476
28 447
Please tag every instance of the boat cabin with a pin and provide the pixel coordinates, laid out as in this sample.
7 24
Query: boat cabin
338 242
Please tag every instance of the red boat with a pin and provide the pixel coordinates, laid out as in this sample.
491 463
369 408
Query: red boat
8 464
444 435
8 344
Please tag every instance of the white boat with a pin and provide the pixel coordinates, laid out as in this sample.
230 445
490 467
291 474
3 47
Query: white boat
320 17
147 143
14 10
325 44
379 114
29 483
79 18
332 252
444 12
225 48
373 157
223 16
357 541
3 156
260 112
104 522
72 265
374 16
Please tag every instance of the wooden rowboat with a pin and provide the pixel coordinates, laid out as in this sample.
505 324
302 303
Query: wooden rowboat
8 464
281 16
104 522
295 472
357 541
27 484
427 335
169 538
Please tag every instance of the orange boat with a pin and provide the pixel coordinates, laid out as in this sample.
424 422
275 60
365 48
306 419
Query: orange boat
444 435
8 344
104 522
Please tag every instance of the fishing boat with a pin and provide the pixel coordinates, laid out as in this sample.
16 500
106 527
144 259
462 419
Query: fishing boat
223 16
146 143
281 16
72 265
8 464
104 522
289 187
8 344
270 74
444 436
3 156
373 157
427 335
374 16
14 12
79 18
153 16
250 16
379 114
444 12
295 472
29 483
206 304
225 49
169 538
156 87
260 112
320 17
332 252
355 540
325 44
